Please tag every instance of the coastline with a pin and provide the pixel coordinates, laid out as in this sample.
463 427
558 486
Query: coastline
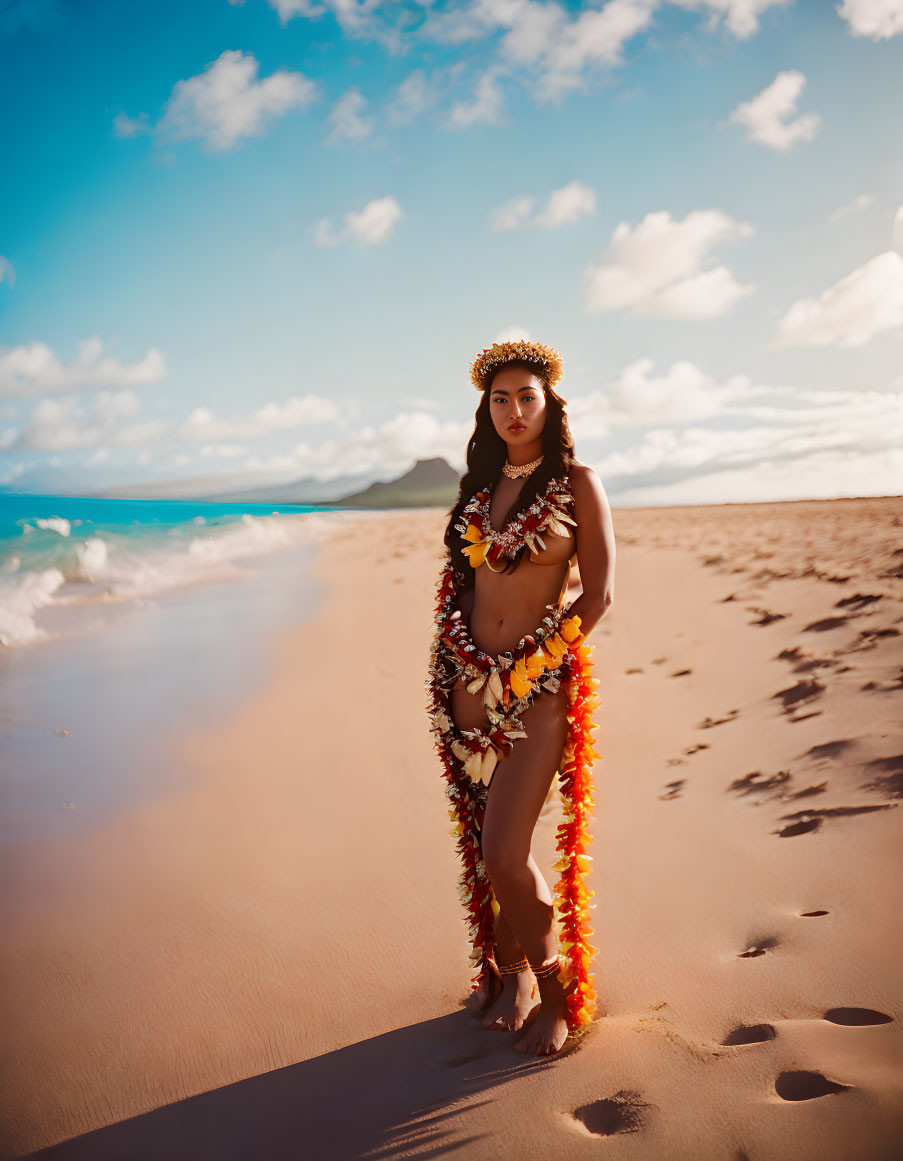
298 898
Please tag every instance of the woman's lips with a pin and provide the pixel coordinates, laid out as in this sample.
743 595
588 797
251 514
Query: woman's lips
517 427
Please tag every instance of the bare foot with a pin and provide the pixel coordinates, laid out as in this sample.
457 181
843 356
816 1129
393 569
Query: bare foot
513 1004
545 1035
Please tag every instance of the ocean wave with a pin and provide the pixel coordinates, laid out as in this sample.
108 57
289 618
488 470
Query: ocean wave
125 564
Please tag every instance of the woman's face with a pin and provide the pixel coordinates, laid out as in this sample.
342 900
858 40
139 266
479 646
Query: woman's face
517 404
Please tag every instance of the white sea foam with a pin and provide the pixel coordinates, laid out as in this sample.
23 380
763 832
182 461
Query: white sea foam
20 601
54 524
106 567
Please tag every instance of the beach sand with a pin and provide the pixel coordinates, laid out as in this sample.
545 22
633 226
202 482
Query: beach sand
273 962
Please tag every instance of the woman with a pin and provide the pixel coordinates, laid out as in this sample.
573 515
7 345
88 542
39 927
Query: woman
511 693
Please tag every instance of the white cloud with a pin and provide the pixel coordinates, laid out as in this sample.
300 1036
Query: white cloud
60 424
385 450
637 398
110 419
125 126
556 51
484 109
740 16
878 19
857 205
7 271
372 225
863 304
347 120
769 116
413 96
34 369
796 442
203 425
369 19
226 451
227 103
513 214
555 48
819 475
565 206
656 267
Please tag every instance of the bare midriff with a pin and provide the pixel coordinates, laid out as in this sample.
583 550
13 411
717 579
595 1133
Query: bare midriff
504 607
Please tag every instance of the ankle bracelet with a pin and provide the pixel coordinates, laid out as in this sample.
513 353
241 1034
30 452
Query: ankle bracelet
543 971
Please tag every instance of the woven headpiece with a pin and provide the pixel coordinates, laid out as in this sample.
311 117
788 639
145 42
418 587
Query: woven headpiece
500 353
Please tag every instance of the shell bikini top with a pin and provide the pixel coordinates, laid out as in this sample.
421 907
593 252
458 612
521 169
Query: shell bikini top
546 514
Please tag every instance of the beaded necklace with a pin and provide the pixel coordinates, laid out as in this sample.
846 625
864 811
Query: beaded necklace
546 514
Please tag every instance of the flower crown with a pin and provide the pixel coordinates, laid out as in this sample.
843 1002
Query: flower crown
500 353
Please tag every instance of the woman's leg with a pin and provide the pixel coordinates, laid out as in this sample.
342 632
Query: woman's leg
515 1000
519 788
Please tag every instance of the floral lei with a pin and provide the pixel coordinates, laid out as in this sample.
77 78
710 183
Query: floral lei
546 513
554 655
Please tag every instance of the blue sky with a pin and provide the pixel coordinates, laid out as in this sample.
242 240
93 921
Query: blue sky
245 243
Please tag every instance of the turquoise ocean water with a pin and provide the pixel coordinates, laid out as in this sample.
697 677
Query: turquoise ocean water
123 624
61 552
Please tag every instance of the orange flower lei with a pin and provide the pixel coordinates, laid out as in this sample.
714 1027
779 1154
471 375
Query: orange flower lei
468 758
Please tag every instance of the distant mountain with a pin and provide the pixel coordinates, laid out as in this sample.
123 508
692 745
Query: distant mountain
429 484
308 490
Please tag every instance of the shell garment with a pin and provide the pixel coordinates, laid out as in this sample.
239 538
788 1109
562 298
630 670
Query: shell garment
553 655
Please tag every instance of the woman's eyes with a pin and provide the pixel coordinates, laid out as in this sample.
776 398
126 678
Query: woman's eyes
504 399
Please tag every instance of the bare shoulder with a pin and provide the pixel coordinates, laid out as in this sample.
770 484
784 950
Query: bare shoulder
587 487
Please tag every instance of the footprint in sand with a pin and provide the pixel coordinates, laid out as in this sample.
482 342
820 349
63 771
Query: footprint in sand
858 601
805 1086
890 781
681 672
750 1034
892 686
636 669
825 624
869 638
759 947
802 663
622 1113
795 695
765 617
756 782
804 821
672 790
829 749
812 914
809 791
710 723
857 1017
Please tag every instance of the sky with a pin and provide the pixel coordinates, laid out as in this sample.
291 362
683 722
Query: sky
243 243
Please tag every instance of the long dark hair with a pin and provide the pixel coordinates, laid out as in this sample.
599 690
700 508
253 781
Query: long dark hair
487 452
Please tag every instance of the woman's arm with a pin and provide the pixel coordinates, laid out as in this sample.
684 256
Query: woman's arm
595 548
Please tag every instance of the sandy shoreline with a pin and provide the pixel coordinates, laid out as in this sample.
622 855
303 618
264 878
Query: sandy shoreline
292 916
